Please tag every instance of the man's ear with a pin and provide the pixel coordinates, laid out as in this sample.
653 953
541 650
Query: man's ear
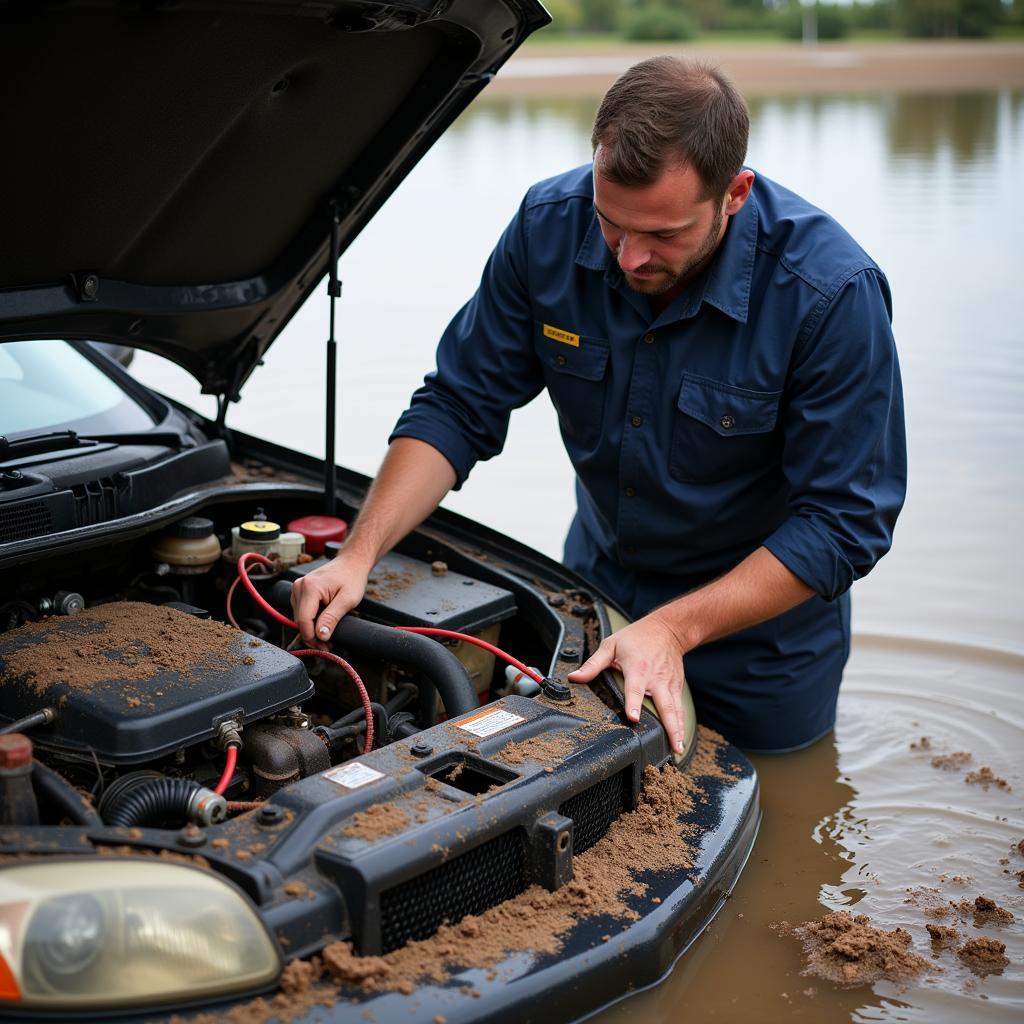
738 191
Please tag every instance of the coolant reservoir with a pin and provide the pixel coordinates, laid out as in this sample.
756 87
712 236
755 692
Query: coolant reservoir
265 538
189 547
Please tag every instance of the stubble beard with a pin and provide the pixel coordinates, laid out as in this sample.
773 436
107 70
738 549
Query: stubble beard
678 277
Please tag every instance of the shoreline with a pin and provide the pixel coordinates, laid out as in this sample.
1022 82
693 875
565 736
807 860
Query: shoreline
778 69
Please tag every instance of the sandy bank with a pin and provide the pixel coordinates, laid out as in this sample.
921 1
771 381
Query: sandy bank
779 68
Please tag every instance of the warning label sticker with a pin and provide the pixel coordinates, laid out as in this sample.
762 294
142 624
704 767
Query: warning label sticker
353 775
487 723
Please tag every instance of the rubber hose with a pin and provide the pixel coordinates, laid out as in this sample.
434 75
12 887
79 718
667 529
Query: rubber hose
152 801
410 650
55 791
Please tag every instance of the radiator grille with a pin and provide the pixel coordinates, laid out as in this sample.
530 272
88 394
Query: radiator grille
594 810
26 519
470 884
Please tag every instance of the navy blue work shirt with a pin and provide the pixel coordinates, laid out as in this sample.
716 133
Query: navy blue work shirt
761 407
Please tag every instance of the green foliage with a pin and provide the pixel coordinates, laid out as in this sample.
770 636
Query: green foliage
657 23
950 18
599 15
565 15
833 22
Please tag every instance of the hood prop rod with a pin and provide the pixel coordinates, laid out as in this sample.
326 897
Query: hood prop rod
334 291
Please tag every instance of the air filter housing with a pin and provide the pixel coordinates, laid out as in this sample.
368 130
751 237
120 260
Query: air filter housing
133 682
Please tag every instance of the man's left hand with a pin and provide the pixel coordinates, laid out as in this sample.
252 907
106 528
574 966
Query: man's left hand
650 657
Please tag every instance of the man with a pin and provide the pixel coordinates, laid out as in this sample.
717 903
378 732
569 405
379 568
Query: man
720 356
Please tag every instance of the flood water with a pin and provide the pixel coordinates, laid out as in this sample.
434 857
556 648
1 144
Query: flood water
929 186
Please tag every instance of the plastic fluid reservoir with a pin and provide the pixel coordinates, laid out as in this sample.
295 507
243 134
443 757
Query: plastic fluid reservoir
520 682
188 547
319 531
265 538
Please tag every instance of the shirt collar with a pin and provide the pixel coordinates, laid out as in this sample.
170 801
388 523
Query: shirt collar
727 283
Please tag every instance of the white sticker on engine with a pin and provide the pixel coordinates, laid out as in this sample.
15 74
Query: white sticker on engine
487 723
353 775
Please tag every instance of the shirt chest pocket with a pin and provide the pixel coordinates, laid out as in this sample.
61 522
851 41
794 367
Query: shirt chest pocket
575 373
721 431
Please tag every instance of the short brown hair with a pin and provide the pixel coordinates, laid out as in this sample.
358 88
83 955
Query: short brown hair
668 110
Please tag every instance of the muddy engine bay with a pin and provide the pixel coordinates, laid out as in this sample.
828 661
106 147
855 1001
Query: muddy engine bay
156 690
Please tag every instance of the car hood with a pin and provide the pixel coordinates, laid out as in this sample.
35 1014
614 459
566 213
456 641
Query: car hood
173 171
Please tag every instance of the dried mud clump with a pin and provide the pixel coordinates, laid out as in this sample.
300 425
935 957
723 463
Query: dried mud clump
847 950
951 762
376 822
547 749
985 777
984 955
124 640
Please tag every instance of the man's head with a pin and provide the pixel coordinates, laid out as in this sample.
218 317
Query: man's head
669 141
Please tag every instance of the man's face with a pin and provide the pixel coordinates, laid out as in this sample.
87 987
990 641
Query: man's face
663 233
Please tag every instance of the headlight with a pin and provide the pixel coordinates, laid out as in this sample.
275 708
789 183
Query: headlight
117 933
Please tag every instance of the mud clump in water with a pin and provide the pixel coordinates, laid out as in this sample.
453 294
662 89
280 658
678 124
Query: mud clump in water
924 743
950 762
847 950
985 912
984 955
943 935
985 777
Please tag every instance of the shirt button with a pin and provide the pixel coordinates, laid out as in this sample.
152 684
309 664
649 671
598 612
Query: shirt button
561 360
630 492
636 421
648 339
727 422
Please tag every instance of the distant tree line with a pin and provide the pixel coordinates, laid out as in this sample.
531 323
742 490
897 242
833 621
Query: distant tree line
668 20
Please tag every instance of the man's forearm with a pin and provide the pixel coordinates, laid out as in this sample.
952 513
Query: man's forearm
757 589
411 482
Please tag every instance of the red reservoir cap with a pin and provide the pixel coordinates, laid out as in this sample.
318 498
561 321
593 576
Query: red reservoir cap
15 750
318 530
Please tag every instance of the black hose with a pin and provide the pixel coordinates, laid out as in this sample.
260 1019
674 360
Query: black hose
410 650
54 791
151 802
43 717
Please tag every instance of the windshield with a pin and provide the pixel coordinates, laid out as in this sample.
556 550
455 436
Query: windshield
48 385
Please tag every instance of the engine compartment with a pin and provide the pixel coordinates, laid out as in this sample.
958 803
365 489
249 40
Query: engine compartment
151 662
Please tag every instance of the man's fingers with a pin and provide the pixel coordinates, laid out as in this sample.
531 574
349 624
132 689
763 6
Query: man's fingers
305 605
326 622
667 701
601 659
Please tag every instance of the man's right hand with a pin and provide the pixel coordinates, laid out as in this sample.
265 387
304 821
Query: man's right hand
336 588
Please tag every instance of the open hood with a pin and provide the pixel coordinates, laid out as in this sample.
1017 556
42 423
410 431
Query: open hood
173 169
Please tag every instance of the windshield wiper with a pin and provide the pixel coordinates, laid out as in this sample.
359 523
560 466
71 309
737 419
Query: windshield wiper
60 440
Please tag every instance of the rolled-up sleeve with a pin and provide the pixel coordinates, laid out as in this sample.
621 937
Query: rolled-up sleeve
844 451
486 366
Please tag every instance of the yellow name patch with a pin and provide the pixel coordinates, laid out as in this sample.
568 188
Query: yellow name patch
565 337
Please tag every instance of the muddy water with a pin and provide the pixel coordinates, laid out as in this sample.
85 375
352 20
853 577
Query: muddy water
928 184
855 823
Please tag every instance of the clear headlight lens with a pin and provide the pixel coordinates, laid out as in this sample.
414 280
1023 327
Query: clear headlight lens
87 934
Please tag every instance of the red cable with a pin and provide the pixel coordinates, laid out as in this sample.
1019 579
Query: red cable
476 642
230 760
360 686
227 602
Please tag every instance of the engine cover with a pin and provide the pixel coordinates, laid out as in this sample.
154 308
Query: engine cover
132 681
